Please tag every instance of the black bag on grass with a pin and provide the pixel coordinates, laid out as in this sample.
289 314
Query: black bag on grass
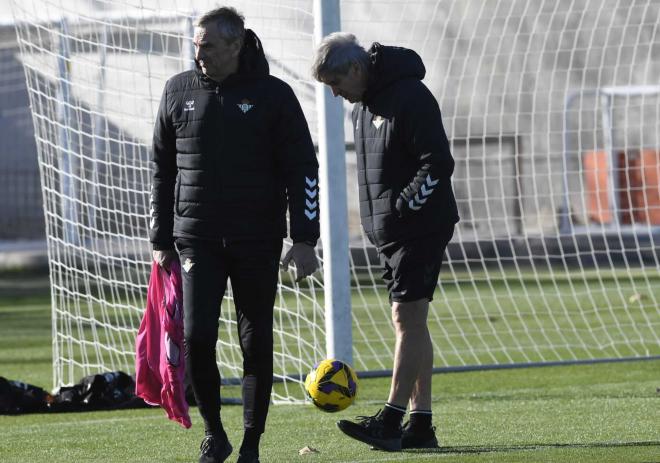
17 397
98 392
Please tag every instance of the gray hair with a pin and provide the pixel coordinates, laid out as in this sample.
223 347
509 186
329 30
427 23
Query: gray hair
336 54
229 22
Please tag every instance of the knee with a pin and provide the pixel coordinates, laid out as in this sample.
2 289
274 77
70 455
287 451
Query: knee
258 347
258 353
258 361
200 329
199 341
406 326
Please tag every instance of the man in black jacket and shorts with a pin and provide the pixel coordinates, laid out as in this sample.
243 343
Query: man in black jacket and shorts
408 212
231 152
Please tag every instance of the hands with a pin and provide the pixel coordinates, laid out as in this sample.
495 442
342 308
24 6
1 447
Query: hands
304 257
165 258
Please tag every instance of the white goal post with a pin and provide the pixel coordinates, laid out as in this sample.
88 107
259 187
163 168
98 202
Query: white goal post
537 272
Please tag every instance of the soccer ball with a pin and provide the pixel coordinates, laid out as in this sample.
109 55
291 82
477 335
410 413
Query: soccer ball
332 385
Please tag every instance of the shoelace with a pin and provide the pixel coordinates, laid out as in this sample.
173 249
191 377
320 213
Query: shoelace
207 445
366 420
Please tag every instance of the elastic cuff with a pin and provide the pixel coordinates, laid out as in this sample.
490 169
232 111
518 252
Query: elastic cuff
395 407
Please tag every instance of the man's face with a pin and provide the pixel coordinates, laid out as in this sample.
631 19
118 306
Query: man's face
216 57
350 86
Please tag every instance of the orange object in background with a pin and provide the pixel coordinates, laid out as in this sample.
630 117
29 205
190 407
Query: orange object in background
627 185
638 173
596 168
645 186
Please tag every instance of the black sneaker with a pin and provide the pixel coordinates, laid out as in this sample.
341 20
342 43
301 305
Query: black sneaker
418 440
214 449
248 456
371 430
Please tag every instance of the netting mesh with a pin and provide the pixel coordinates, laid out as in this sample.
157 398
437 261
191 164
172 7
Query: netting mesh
552 113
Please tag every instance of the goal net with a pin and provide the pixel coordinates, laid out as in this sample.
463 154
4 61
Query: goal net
21 217
553 121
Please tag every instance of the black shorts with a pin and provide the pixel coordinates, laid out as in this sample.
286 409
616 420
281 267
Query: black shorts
411 268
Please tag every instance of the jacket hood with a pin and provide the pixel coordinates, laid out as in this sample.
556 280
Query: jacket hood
391 64
252 63
252 59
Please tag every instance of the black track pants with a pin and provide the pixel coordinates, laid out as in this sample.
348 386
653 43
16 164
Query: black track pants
252 268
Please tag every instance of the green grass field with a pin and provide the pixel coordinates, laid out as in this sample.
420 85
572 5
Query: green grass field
580 413
475 319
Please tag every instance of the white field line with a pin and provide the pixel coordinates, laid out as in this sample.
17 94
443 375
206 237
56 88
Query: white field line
77 423
402 457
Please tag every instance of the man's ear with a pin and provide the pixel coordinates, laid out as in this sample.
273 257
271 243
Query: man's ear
355 70
358 74
235 47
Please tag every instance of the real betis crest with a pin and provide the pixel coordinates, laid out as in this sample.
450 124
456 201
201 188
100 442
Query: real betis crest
378 121
245 105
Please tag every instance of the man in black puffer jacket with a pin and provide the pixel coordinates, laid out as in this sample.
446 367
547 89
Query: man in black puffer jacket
408 212
231 151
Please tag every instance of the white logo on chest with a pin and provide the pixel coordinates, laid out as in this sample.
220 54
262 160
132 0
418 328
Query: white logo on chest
245 105
188 264
378 121
190 105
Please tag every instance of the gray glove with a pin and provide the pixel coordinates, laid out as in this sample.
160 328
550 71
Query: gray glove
165 258
304 257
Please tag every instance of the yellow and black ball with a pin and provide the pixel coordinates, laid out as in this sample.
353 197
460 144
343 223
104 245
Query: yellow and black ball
332 385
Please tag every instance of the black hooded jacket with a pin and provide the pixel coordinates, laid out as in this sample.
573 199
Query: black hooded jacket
228 158
404 162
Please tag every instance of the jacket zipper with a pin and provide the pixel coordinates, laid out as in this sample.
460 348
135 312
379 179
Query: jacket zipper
361 121
220 98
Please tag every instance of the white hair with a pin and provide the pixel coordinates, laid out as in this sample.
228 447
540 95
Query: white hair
336 54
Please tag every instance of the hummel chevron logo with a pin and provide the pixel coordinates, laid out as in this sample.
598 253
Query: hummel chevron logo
411 205
311 215
378 121
426 192
310 202
190 105
423 194
245 105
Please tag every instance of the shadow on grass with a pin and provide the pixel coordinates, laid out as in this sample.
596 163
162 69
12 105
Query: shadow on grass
515 448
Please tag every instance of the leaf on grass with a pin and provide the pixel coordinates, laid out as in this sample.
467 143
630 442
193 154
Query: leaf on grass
635 298
307 450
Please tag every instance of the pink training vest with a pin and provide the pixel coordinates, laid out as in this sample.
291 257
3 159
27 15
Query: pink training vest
159 362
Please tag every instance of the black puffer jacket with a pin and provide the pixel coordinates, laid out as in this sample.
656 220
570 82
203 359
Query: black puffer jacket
228 158
404 162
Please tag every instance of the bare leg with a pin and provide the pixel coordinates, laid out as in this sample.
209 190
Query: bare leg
413 356
420 398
